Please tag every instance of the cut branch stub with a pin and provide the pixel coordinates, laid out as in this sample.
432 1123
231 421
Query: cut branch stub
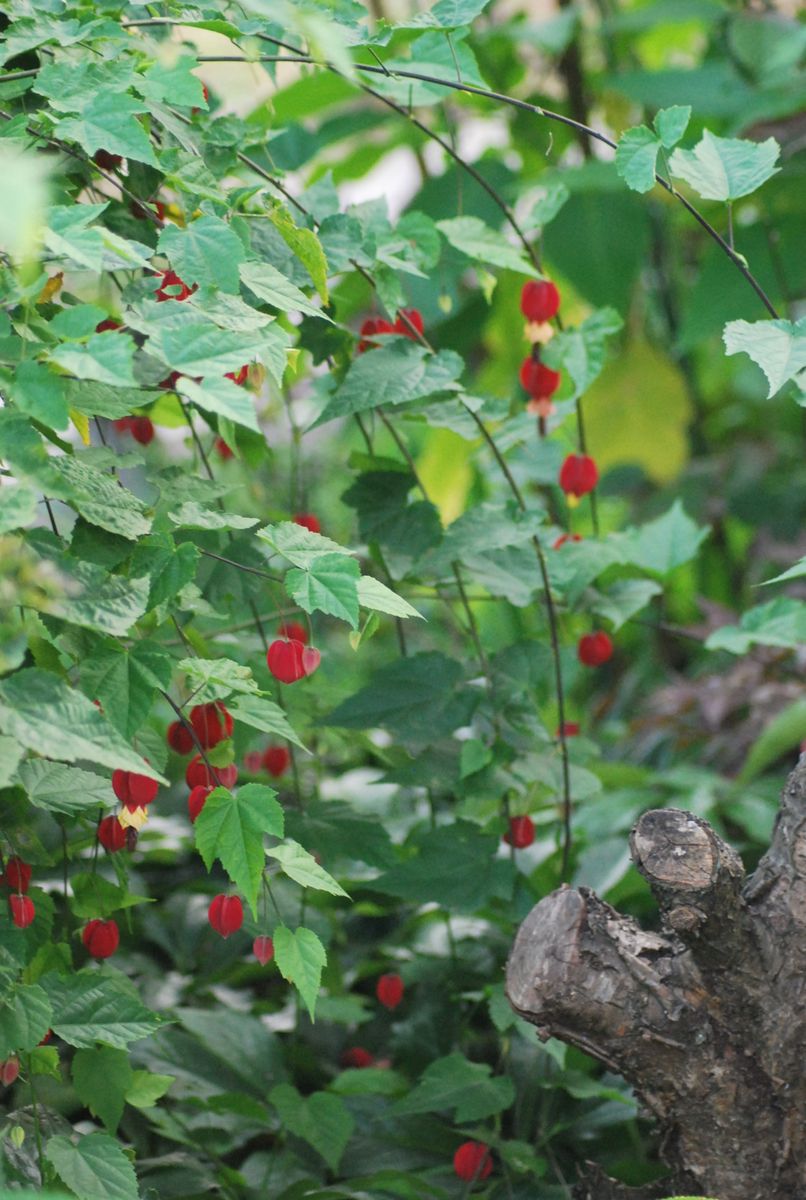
705 1020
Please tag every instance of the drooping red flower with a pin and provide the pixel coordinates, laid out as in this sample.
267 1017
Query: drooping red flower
308 521
197 774
594 649
179 737
521 832
107 161
406 318
284 660
179 290
222 449
389 990
211 723
569 728
9 1070
196 800
108 324
111 834
276 760
293 630
225 914
101 938
22 910
539 300
263 949
17 875
370 327
578 475
253 762
311 659
133 790
539 380
240 376
472 1161
140 428
356 1057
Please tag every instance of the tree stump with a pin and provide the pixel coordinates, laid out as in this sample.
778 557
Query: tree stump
706 1020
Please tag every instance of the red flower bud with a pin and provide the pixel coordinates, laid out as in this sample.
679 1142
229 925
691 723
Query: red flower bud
405 319
521 832
179 737
179 290
276 760
570 729
253 762
133 790
240 376
198 775
539 300
284 660
565 537
18 874
356 1057
472 1161
101 938
308 521
578 475
9 1070
389 990
594 649
222 449
211 723
22 910
111 834
263 949
225 914
372 326
196 800
538 380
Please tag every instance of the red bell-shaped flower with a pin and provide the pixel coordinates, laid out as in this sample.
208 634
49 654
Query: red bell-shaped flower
594 649
539 300
22 910
101 938
225 914
133 790
211 723
521 832
111 834
578 475
179 737
472 1161
539 380
389 990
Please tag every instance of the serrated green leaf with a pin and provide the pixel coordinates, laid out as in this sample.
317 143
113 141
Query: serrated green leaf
216 678
200 348
100 499
105 358
300 957
17 507
95 1168
56 788
263 714
726 168
231 827
479 242
377 596
393 375
147 1088
94 896
671 123
663 544
329 585
108 121
780 622
191 515
97 600
321 1119
624 599
298 544
125 679
25 1016
168 566
454 866
90 1008
636 157
305 245
778 347
173 82
101 1077
55 720
303 868
41 393
271 286
206 251
466 1088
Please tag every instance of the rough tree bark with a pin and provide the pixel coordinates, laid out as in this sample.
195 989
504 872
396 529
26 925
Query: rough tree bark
706 1020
